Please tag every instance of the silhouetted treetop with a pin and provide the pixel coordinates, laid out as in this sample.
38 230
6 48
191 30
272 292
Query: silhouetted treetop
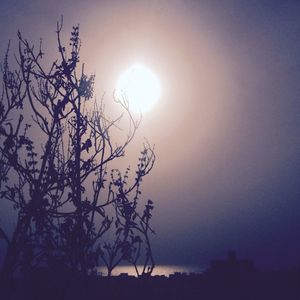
58 168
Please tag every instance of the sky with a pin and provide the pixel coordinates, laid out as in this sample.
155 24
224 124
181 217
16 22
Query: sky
226 128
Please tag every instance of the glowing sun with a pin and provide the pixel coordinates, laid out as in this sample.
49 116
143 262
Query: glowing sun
140 87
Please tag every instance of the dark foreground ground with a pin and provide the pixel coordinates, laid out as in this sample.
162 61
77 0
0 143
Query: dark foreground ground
283 285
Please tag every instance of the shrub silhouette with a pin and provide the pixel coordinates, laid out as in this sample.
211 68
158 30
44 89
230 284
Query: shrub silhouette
73 208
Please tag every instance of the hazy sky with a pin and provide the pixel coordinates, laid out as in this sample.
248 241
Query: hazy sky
227 126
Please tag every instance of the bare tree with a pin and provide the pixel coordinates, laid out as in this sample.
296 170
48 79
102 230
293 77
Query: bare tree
57 172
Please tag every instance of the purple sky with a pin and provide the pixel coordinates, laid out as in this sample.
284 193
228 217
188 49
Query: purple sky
227 127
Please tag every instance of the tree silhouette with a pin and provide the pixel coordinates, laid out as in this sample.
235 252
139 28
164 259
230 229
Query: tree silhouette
72 207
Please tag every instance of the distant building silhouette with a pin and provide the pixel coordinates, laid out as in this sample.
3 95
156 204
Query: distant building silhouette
231 266
124 275
178 275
